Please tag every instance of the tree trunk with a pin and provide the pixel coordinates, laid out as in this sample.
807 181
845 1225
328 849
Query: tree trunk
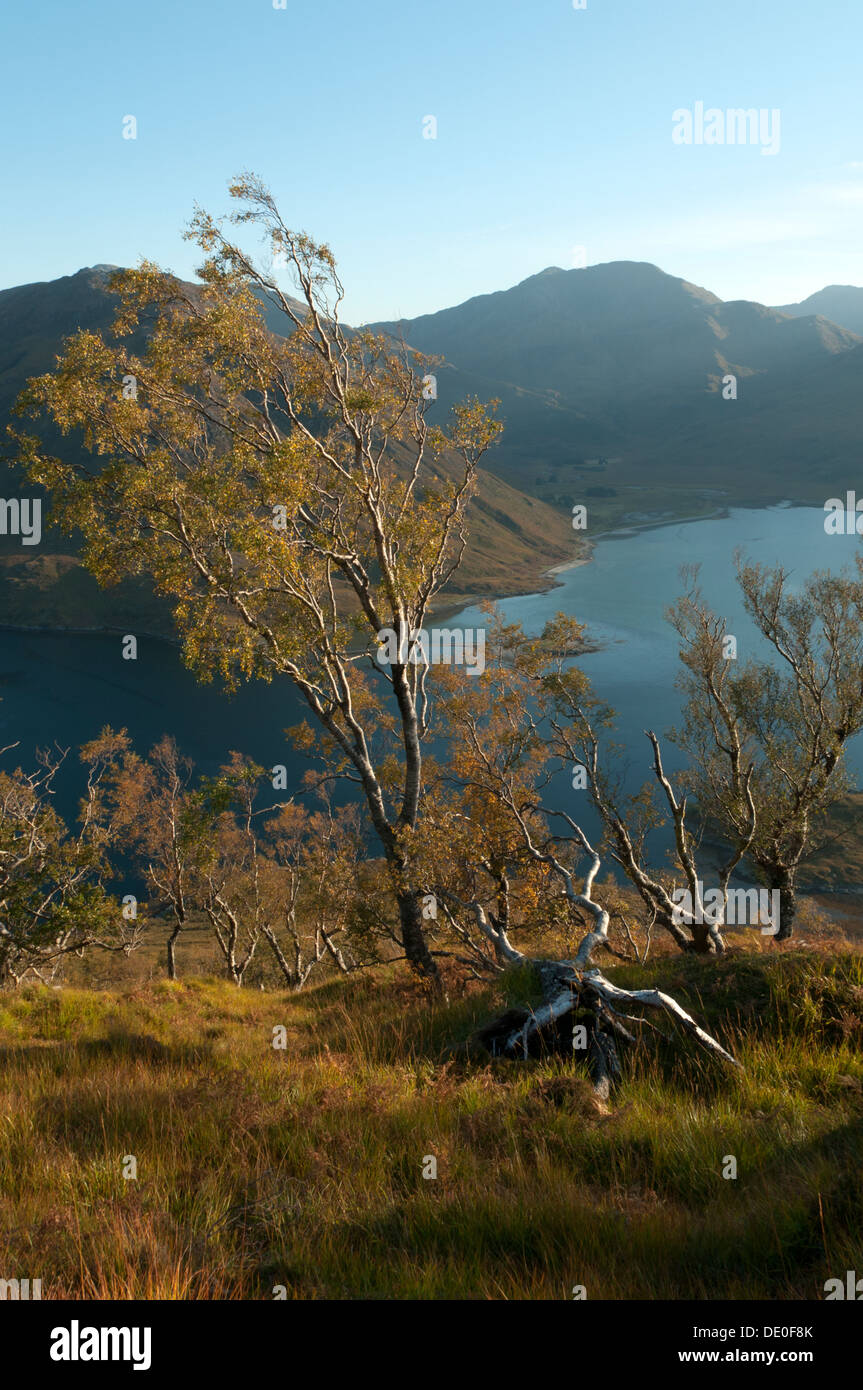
172 962
290 978
701 941
413 937
571 995
787 909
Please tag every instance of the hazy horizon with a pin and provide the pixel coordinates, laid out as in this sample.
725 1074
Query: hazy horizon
379 318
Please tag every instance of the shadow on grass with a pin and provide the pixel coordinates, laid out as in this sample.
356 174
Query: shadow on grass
118 1046
780 1233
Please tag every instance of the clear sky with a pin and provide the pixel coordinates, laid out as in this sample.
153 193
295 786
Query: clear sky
554 132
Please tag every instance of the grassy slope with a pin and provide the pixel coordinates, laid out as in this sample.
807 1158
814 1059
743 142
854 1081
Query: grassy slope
258 1167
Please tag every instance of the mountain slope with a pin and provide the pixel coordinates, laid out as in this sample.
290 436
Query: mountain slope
841 303
610 381
625 327
624 362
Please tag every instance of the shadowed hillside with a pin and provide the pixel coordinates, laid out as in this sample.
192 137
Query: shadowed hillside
611 376
841 303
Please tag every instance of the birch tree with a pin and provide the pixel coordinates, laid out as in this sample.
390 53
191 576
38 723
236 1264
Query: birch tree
507 736
285 490
149 801
53 898
274 876
767 740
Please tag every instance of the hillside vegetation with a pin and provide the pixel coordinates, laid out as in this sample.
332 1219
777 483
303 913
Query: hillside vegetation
303 1167
610 386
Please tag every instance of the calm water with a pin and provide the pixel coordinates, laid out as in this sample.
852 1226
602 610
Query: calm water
64 688
622 596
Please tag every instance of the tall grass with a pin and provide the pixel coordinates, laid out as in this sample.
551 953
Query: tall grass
303 1168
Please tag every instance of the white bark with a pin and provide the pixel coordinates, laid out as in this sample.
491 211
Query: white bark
557 1008
655 999
583 986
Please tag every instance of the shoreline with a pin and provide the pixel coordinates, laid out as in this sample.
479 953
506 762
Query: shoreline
625 532
618 533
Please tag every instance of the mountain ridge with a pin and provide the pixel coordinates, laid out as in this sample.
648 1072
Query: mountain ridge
841 303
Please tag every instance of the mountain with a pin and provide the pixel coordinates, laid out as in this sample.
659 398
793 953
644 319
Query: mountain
625 327
611 388
514 539
841 303
34 319
613 375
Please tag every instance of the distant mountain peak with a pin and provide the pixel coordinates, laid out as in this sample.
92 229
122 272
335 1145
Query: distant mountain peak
842 304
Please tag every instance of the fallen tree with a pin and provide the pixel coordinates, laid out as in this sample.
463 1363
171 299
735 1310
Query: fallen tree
581 1009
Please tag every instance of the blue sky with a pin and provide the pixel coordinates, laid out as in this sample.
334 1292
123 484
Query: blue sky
554 132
